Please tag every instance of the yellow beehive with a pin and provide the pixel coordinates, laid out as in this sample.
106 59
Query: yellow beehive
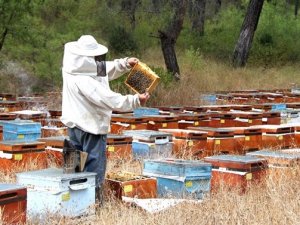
141 79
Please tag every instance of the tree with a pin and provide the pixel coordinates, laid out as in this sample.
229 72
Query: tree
243 45
169 35
296 7
129 7
198 15
11 13
218 4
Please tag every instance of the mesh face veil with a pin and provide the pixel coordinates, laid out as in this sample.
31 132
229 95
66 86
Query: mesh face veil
101 65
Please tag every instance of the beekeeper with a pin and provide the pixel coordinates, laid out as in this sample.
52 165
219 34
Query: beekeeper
88 101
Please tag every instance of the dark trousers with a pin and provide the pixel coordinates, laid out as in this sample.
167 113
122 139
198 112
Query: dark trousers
95 146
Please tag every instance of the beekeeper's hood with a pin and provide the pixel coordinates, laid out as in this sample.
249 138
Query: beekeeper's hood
79 56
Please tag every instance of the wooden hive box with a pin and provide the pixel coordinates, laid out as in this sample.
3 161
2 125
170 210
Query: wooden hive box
119 146
13 201
19 155
142 79
188 143
219 140
131 185
237 171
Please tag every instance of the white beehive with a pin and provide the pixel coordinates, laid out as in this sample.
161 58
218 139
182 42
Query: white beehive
52 191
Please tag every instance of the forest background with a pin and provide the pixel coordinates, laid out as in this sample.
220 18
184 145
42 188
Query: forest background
33 34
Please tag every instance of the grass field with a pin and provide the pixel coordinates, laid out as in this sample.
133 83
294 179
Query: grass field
278 202
275 202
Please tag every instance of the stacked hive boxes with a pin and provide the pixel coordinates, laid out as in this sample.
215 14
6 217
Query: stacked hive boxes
179 178
119 146
281 162
237 171
150 144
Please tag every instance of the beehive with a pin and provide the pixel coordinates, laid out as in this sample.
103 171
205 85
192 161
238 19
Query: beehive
131 185
13 201
141 79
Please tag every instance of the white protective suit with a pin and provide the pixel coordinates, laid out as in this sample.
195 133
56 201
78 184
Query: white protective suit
88 100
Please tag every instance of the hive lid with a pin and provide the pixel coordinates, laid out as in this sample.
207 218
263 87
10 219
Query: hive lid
8 187
234 158
146 134
52 174
276 154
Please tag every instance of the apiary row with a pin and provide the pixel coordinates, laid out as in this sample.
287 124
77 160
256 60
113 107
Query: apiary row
49 191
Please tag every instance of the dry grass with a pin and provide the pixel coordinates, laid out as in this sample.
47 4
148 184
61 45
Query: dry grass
277 202
199 75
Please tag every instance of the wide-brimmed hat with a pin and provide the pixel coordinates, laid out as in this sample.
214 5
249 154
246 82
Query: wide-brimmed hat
87 46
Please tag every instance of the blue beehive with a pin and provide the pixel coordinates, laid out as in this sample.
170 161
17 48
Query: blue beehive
209 98
25 130
180 178
150 144
278 107
145 111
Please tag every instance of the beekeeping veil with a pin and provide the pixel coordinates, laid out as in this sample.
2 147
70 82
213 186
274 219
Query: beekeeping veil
79 57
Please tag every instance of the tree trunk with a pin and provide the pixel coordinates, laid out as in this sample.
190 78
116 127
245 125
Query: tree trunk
169 53
243 45
130 6
156 4
5 31
296 7
198 16
218 4
3 36
169 35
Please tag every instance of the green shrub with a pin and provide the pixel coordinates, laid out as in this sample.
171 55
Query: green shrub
122 41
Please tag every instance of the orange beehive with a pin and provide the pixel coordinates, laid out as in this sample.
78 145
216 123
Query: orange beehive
189 143
131 185
119 123
7 97
54 149
170 110
13 204
294 105
10 106
162 122
277 136
245 119
192 120
30 115
20 155
263 107
118 146
55 113
54 131
195 109
297 136
219 140
274 97
222 120
282 163
7 116
237 172
247 139
30 102
51 122
271 118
